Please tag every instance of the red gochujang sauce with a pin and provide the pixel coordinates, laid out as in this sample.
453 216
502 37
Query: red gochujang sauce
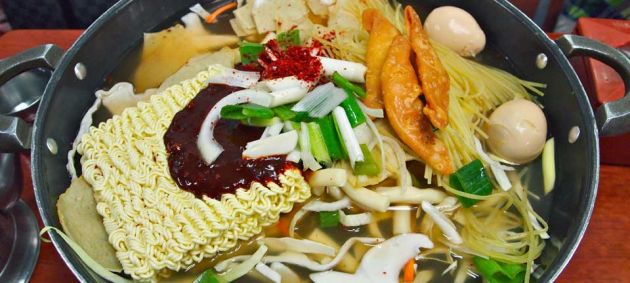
230 171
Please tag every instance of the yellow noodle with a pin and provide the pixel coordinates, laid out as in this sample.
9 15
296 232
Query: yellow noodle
154 226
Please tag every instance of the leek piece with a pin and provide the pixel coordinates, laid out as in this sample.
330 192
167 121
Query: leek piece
353 111
245 111
318 145
499 272
260 122
328 219
250 52
331 138
368 166
471 179
549 165
348 86
284 112
350 143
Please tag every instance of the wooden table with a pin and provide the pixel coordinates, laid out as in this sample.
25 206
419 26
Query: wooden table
603 255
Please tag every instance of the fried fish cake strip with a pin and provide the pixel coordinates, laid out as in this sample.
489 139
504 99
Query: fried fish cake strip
382 33
403 107
432 75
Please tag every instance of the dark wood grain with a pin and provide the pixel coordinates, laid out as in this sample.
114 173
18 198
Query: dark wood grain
603 255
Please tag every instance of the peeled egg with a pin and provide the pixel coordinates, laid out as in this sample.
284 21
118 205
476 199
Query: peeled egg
517 131
456 29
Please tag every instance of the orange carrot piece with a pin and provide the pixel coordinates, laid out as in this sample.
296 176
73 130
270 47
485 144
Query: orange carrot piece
212 18
409 271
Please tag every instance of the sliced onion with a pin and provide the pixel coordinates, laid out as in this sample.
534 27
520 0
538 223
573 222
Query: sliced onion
537 226
484 156
353 220
347 135
275 145
372 112
220 74
447 227
379 142
209 148
298 215
269 273
295 245
318 205
354 72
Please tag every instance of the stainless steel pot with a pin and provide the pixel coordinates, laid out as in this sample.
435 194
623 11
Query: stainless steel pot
515 43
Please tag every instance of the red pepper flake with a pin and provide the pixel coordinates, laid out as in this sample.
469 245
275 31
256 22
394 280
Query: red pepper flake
296 61
329 36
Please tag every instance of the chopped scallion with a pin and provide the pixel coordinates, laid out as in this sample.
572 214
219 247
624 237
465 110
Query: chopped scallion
499 272
284 112
245 111
471 179
208 276
331 138
328 219
353 111
368 166
318 145
348 86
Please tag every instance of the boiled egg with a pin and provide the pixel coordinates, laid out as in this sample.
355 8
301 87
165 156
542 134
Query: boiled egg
517 131
456 29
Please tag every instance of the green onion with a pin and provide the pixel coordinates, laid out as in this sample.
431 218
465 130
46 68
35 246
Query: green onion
348 86
245 111
260 122
328 219
318 145
257 111
302 117
472 179
289 38
353 111
331 138
232 112
368 166
284 112
208 276
250 52
499 272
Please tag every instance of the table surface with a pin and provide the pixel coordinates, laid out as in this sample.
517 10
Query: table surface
603 255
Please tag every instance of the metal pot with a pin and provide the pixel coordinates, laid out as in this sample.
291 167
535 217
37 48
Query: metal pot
515 43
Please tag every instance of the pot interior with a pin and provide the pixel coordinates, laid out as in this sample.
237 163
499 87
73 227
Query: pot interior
109 48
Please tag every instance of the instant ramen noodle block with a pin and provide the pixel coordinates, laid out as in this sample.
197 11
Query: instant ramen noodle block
154 226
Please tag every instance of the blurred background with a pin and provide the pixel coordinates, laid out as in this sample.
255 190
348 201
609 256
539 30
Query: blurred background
551 15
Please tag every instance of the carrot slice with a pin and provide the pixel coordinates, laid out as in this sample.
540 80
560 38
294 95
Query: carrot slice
432 75
404 108
409 271
382 33
212 18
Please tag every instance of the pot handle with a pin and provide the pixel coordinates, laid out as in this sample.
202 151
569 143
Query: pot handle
613 118
15 134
